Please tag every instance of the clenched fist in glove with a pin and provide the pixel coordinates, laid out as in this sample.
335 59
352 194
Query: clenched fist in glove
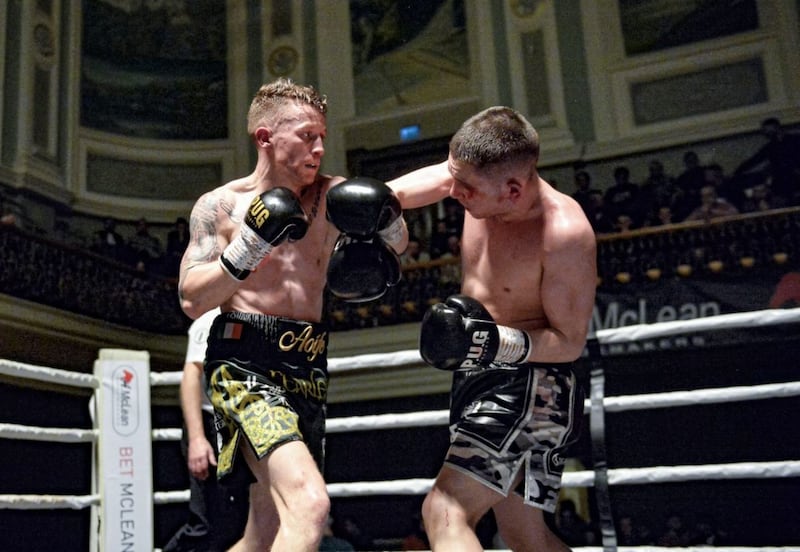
273 217
365 208
364 264
460 333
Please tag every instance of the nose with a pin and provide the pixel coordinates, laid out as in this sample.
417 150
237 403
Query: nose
458 192
318 148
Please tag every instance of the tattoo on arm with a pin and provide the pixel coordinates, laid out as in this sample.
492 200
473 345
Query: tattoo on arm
203 245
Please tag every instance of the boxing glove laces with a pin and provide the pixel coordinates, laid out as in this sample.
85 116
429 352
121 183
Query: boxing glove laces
460 333
272 217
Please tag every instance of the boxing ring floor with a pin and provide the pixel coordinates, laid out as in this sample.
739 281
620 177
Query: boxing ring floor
606 481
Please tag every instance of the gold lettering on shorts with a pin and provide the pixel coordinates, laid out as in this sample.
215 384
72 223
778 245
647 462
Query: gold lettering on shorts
303 342
316 388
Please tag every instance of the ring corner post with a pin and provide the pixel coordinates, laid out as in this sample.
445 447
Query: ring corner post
124 463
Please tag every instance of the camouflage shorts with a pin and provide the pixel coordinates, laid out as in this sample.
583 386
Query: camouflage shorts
506 418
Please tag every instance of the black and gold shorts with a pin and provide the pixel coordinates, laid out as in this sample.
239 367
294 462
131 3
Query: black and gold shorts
268 382
507 418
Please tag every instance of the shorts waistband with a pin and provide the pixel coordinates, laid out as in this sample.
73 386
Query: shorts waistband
300 341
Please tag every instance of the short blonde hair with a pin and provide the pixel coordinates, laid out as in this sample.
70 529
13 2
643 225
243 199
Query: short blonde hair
271 97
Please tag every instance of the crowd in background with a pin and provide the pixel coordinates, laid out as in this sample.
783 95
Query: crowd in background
769 179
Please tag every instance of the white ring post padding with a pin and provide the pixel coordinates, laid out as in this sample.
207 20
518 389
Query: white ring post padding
51 375
50 434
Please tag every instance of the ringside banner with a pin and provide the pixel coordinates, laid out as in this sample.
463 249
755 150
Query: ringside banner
125 478
684 299
671 299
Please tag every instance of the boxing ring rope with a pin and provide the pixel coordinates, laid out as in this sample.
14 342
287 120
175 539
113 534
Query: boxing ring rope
419 486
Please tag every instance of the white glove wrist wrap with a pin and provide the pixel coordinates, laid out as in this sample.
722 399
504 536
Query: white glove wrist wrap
514 345
393 233
247 250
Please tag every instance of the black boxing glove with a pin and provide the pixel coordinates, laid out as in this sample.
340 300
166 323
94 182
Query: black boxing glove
363 207
362 271
460 333
273 217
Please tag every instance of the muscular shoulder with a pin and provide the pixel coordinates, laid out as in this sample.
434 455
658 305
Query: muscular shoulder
567 225
216 204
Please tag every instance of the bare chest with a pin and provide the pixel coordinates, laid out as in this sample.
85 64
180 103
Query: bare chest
504 271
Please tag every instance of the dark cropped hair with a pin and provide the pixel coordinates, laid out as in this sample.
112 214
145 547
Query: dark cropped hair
497 134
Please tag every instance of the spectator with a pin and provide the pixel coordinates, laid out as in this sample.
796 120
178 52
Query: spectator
583 191
705 532
624 223
760 198
63 233
662 216
598 215
688 184
674 534
779 158
656 191
450 275
715 175
453 215
439 237
631 533
414 253
572 528
146 248
109 243
177 240
711 206
621 197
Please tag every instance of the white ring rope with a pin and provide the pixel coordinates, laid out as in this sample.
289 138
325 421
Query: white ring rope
47 502
32 433
50 375
612 404
619 476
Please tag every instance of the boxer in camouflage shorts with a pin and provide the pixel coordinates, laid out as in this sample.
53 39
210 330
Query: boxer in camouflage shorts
528 279
513 418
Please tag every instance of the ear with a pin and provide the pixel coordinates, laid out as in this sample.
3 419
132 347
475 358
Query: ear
263 136
513 189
